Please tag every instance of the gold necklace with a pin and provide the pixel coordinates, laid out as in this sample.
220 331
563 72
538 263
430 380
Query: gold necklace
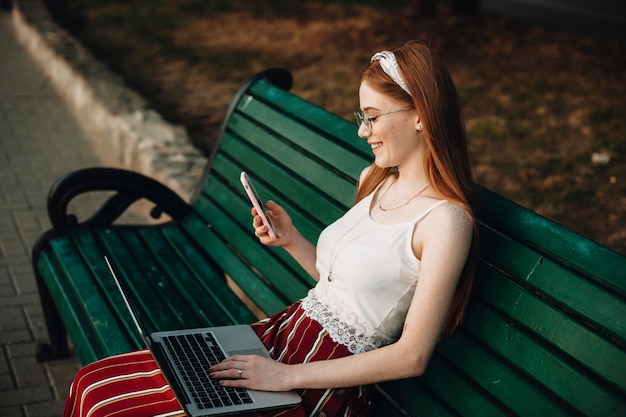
380 200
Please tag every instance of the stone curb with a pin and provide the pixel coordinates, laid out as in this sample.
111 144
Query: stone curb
125 131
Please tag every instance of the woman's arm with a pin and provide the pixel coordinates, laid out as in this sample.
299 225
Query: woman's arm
443 242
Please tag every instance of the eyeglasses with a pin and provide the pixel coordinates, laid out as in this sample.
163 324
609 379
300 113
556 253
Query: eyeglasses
363 118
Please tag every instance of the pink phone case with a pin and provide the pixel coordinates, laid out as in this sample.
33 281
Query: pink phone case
257 203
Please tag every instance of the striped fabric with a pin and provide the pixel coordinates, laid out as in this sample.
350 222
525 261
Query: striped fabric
131 384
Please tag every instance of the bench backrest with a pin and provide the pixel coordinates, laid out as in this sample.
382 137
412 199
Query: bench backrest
545 332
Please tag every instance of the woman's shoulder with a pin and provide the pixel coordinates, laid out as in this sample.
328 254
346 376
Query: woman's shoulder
449 215
448 227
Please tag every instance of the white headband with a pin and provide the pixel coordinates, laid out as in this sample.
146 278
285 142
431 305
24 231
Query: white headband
389 64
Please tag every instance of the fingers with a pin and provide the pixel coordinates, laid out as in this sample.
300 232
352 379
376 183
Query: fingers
232 362
260 230
276 216
269 205
231 372
234 374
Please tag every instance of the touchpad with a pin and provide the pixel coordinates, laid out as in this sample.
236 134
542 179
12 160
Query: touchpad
258 352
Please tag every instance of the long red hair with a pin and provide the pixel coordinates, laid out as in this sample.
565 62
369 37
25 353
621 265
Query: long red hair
447 159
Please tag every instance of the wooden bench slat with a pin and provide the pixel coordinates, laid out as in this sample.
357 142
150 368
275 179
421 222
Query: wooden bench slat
545 367
142 281
219 196
535 372
277 183
491 373
153 288
158 275
568 247
95 286
554 375
93 300
262 252
203 305
522 308
236 268
414 398
306 130
91 244
275 274
71 312
450 385
289 161
286 150
209 276
573 292
316 118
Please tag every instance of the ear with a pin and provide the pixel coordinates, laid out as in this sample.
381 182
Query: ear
418 124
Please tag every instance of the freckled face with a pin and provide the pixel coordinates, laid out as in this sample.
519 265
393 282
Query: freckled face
394 137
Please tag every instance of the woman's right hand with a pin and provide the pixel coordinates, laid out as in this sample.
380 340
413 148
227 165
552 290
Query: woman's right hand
283 226
287 236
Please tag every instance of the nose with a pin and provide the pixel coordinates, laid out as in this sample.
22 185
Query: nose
363 131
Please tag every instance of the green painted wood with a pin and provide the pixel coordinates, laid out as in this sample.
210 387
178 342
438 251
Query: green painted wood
573 341
414 399
450 387
586 257
237 268
549 369
492 374
598 305
271 188
205 274
310 144
290 163
88 249
87 352
241 223
141 280
278 277
315 117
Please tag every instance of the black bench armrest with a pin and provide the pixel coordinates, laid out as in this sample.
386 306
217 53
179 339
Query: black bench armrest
129 187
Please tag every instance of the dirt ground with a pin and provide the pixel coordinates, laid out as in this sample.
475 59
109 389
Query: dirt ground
544 107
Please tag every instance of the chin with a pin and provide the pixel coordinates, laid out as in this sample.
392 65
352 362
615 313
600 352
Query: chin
382 164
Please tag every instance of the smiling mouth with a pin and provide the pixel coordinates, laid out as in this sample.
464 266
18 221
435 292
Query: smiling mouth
376 145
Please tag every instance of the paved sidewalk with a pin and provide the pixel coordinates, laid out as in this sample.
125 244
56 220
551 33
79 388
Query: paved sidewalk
39 141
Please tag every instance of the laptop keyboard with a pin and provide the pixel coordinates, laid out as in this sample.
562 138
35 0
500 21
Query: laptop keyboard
202 349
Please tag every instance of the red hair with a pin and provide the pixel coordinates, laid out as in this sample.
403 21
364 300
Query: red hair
447 159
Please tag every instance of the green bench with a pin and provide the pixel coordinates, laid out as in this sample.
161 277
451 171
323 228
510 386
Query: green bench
545 332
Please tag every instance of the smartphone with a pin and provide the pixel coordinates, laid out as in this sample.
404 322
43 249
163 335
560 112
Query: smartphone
257 203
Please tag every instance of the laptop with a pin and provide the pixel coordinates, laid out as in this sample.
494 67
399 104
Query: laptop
184 357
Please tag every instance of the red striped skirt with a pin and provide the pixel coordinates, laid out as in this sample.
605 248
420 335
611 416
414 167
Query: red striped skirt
131 384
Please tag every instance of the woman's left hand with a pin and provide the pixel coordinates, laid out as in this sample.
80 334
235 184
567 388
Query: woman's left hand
252 372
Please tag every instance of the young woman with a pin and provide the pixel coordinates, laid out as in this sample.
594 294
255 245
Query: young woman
394 273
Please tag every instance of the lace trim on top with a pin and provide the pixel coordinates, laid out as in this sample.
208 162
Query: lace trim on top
341 332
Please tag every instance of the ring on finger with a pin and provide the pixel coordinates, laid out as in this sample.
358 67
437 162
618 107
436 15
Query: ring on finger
240 372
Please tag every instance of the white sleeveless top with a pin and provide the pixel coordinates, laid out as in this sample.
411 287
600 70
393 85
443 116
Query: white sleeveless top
373 274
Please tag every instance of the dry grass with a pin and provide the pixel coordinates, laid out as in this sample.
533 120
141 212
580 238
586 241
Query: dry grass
538 102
